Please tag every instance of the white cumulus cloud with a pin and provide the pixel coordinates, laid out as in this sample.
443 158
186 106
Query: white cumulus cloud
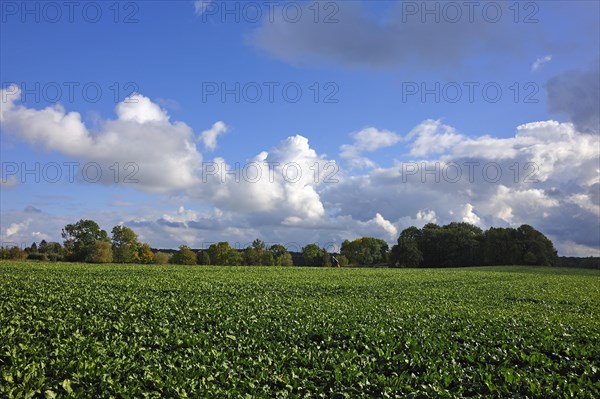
367 140
162 155
15 228
209 137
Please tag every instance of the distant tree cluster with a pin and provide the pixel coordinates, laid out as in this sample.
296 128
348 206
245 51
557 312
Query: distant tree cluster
84 241
314 255
222 254
366 251
585 263
45 251
463 244
455 244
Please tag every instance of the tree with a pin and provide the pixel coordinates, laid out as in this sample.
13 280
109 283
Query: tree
234 258
431 244
284 260
13 253
536 248
530 258
203 258
80 239
315 256
259 245
365 251
342 260
500 247
161 258
100 252
185 256
145 254
125 245
33 248
43 247
462 245
325 258
267 259
33 253
406 253
278 250
55 251
257 254
222 254
281 255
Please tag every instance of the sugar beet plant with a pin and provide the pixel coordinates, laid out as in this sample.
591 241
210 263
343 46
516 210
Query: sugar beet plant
74 330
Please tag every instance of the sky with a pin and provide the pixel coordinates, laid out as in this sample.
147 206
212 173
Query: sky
299 122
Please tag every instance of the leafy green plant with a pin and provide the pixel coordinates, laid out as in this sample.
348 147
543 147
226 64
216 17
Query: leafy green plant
97 330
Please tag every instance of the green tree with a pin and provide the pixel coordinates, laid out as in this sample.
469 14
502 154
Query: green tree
222 254
145 255
203 258
259 245
462 245
55 251
80 239
431 244
500 247
281 255
257 254
185 256
325 258
267 258
43 247
530 259
365 251
342 260
100 252
315 256
34 254
284 260
13 253
234 258
125 245
406 252
536 248
161 258
32 249
251 257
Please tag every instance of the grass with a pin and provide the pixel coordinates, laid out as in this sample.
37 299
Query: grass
78 330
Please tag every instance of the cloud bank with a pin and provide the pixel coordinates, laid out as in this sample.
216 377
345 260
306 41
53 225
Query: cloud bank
546 174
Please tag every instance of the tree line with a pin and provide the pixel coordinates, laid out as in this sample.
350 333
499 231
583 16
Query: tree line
455 244
463 244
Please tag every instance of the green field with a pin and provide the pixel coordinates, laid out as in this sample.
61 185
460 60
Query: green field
77 330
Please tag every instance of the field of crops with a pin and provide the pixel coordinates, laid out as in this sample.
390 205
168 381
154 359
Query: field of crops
75 330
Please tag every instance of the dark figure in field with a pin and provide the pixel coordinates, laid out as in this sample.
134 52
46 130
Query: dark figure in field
334 262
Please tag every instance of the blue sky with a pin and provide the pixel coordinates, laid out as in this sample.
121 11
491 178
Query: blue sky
173 92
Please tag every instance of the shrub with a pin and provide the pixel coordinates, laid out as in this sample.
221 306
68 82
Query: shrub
161 258
37 256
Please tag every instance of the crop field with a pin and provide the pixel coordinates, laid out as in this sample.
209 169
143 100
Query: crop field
77 330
